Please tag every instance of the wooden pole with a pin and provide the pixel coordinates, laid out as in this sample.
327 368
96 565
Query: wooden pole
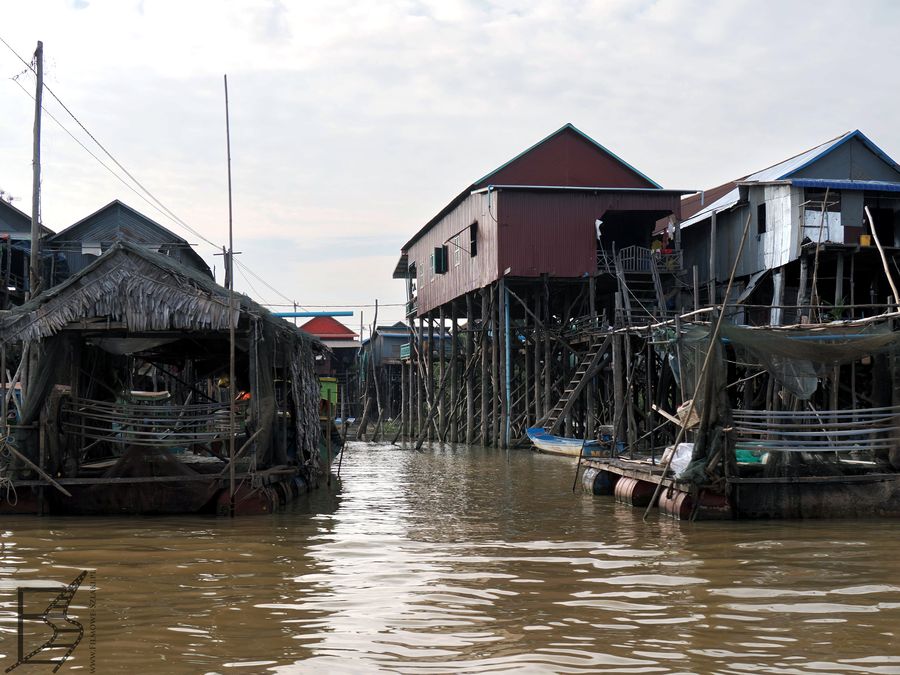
470 376
713 271
495 368
485 384
538 408
403 405
454 367
629 397
429 369
232 431
696 288
442 366
801 288
548 354
526 349
503 318
34 286
884 262
714 336
618 380
5 384
328 423
422 377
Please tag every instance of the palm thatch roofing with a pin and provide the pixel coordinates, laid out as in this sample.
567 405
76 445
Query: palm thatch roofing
145 290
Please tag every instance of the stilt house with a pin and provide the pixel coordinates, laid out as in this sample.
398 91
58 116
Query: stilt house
550 238
816 214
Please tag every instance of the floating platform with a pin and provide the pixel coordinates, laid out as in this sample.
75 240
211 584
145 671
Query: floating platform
257 494
865 494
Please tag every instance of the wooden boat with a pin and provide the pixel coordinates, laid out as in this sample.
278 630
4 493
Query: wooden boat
559 445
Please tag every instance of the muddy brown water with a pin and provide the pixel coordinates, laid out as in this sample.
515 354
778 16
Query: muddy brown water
461 560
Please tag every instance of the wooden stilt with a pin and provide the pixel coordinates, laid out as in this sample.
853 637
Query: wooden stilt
454 368
527 348
536 341
404 417
442 367
485 371
504 366
548 360
420 380
618 381
429 370
470 375
495 368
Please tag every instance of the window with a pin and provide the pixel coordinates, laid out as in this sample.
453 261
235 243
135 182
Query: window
761 218
473 239
456 251
439 260
815 200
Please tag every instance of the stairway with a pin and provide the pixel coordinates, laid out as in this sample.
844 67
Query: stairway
642 295
586 369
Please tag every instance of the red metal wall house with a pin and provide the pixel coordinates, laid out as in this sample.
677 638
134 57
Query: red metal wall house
534 215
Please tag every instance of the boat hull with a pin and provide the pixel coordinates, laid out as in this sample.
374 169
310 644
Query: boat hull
558 445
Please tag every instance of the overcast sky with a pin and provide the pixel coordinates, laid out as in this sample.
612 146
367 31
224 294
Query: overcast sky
355 122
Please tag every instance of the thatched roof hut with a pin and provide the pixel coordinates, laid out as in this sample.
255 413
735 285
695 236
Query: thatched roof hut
135 306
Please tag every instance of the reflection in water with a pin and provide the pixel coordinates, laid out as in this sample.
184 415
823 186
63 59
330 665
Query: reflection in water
466 560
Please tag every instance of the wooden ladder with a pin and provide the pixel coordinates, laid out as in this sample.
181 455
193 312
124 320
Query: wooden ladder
583 373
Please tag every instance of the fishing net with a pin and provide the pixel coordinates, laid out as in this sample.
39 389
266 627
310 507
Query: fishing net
798 358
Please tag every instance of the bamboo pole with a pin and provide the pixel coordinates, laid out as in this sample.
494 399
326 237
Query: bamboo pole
442 364
884 262
714 336
485 384
231 310
454 366
536 349
470 376
34 286
548 354
495 368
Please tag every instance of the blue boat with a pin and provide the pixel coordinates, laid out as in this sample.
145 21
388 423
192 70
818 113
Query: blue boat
559 445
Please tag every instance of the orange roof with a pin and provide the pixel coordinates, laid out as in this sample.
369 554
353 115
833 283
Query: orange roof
327 327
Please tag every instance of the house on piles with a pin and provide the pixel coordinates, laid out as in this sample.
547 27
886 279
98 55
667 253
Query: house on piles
558 237
810 253
83 242
127 407
339 362
15 253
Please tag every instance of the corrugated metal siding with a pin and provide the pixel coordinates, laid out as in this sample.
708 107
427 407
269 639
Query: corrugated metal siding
11 220
120 223
553 233
472 272
567 159
539 233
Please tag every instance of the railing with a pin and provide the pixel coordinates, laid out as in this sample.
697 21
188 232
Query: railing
639 259
155 424
412 306
864 430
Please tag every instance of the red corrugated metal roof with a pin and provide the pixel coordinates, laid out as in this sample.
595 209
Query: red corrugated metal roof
566 158
327 327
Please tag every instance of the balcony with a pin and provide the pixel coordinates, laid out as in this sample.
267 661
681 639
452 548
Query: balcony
640 260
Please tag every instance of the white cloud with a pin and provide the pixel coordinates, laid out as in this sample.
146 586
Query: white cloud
354 122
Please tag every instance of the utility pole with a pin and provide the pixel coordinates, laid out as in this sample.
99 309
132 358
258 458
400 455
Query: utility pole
231 309
35 267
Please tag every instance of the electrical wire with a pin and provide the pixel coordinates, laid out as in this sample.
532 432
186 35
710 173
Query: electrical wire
109 154
88 151
155 203
266 283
